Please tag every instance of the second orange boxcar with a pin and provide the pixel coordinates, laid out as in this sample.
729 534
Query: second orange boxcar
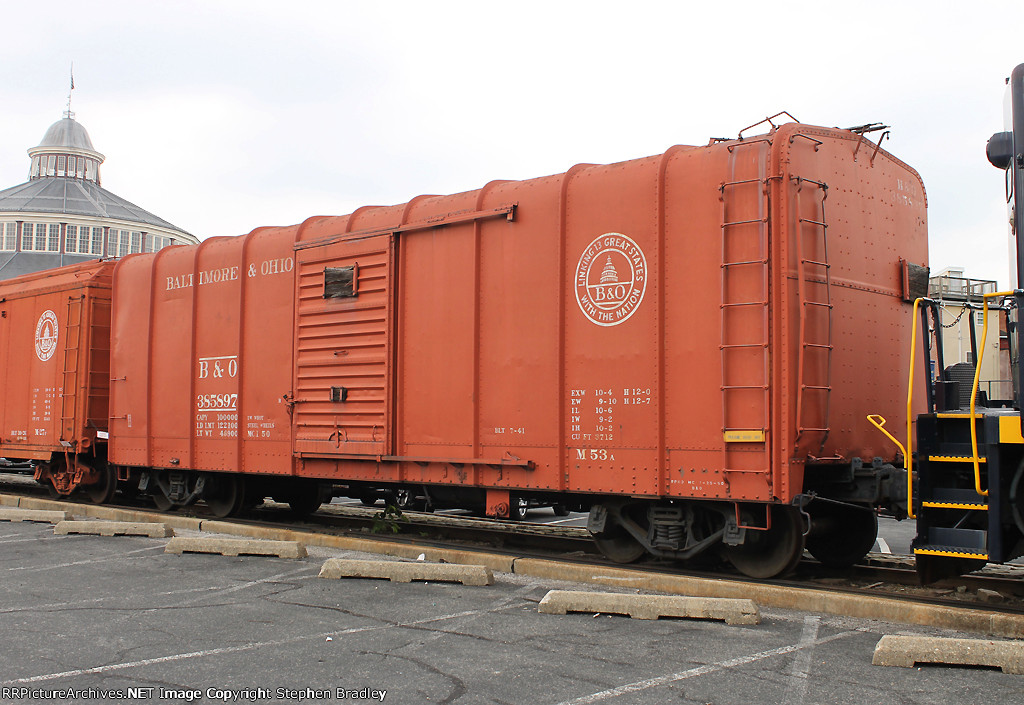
54 375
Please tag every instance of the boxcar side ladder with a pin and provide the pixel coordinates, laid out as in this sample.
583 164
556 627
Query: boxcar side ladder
744 319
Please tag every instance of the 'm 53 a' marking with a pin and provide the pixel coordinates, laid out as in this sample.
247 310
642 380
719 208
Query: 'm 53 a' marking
594 454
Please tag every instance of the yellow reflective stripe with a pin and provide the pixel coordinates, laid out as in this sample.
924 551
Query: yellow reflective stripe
952 505
951 554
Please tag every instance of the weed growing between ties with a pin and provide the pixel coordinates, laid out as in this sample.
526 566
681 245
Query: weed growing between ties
386 522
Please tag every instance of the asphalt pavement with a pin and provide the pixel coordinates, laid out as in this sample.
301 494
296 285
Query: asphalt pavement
116 619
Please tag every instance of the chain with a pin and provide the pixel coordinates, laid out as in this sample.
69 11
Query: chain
960 315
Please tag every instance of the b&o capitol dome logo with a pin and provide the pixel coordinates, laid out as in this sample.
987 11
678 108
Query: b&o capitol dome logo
611 279
46 335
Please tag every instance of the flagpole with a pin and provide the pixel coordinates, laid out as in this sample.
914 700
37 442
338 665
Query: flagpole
68 112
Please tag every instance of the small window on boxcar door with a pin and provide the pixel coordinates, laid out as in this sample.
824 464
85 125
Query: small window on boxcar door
340 282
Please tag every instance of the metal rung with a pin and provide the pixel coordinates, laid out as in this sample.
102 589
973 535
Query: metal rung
744 222
817 303
814 386
744 181
751 261
817 345
745 386
805 428
745 303
741 345
814 222
826 265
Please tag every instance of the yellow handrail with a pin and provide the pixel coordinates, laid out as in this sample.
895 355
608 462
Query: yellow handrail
878 422
974 389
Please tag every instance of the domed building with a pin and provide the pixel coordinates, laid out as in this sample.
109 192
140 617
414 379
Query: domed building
62 215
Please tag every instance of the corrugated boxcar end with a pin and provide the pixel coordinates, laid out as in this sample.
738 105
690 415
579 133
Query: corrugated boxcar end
54 348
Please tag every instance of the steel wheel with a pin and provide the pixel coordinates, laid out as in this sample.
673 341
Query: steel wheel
616 543
618 546
775 551
103 491
162 501
845 536
305 499
224 494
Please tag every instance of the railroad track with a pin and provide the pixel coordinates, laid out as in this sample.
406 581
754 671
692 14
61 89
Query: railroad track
996 589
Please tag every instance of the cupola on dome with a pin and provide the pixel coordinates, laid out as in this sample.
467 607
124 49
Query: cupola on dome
66 133
66 150
62 214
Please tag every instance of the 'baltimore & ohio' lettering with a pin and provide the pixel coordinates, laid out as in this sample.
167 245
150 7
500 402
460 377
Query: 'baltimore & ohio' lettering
210 276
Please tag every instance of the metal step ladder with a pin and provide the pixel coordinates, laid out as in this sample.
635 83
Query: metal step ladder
953 516
744 315
814 290
69 378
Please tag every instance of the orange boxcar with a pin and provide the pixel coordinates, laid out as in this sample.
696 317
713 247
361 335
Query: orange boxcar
54 373
202 369
679 343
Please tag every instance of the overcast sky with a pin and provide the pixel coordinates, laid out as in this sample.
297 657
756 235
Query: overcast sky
224 116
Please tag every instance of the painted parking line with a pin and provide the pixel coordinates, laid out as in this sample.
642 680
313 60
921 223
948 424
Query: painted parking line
170 658
883 545
703 670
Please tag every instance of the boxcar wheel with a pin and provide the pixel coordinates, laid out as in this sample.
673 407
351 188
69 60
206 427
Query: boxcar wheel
618 545
848 534
224 494
304 499
103 491
161 501
775 551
